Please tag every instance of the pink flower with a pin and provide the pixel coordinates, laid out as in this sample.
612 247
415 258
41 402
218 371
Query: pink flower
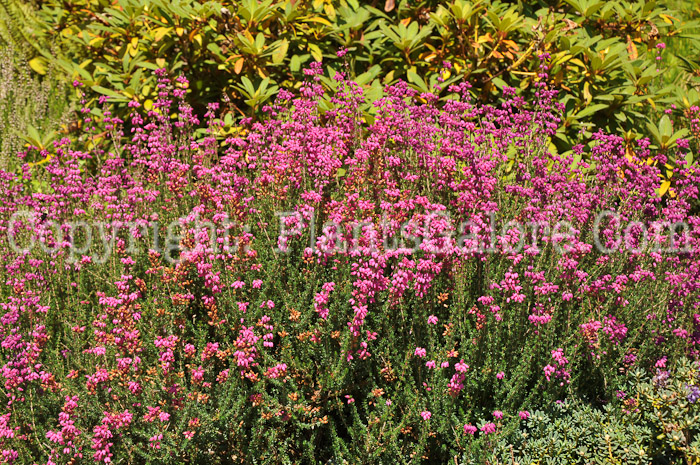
500 375
189 350
430 364
469 429
524 414
277 371
432 320
155 441
420 352
198 374
498 414
681 333
548 371
461 367
426 415
488 428
134 387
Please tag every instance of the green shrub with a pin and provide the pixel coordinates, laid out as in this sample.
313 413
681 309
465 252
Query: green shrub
604 54
655 419
20 27
668 405
575 433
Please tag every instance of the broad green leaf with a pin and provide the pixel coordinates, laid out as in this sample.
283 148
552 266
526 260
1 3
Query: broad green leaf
665 126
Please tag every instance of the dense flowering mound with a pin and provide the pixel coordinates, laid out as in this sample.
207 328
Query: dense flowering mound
320 289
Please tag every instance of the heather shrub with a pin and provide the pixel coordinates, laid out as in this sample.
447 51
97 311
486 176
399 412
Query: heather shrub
303 292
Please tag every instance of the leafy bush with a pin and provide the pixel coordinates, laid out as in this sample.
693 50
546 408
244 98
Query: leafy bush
609 57
250 335
655 418
668 404
573 433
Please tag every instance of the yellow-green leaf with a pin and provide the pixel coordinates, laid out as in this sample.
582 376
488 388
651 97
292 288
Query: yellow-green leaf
281 52
315 52
38 64
587 93
162 32
330 11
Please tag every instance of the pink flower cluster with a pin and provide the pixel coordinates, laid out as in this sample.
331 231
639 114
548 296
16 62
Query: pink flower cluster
558 371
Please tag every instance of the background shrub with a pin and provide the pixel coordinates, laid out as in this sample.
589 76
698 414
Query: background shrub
32 110
610 58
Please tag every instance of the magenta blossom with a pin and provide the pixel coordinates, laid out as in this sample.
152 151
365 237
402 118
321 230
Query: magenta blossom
488 428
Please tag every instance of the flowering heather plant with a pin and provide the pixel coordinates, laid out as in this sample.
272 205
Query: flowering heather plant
318 289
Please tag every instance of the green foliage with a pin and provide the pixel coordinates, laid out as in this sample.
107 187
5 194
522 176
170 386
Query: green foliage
683 64
33 109
19 26
654 420
603 54
574 433
669 406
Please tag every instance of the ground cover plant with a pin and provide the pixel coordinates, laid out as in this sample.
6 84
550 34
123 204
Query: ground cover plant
436 286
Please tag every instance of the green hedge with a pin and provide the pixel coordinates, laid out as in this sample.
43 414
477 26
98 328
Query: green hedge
607 57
